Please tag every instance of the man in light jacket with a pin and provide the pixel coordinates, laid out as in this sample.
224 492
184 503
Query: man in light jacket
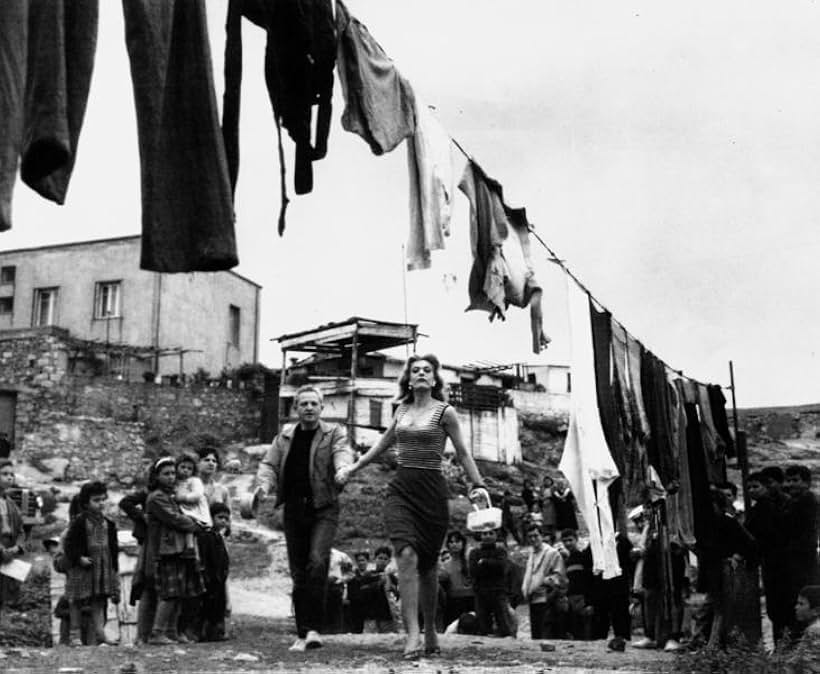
300 467
544 577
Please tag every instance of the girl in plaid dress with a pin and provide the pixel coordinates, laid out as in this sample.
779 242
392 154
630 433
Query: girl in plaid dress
91 552
11 532
176 566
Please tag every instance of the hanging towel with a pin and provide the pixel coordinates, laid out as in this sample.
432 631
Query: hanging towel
712 442
586 461
430 166
635 362
61 47
502 271
608 409
717 403
682 500
299 58
379 102
47 52
656 403
634 438
187 210
13 57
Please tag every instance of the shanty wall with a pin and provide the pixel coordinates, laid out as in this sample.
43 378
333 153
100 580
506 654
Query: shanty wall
103 428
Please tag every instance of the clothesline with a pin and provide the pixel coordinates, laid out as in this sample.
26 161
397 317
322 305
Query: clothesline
557 260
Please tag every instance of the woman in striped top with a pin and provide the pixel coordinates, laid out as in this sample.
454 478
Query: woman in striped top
416 510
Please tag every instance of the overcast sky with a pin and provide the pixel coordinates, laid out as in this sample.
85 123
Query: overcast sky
669 152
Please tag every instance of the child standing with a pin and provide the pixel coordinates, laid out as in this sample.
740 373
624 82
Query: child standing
488 569
11 532
175 566
215 567
579 592
91 551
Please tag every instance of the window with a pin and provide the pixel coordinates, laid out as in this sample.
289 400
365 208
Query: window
45 306
375 412
6 305
107 300
7 275
233 325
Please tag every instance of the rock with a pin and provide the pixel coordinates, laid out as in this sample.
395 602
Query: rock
246 657
56 467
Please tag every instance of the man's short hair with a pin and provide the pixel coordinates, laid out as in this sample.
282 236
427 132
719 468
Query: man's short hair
383 550
362 553
758 476
773 474
308 388
566 533
532 527
799 470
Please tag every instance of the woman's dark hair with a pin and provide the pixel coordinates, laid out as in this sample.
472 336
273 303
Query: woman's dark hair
406 391
456 535
155 468
207 450
90 489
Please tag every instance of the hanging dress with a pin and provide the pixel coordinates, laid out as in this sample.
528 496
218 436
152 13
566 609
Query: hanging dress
416 511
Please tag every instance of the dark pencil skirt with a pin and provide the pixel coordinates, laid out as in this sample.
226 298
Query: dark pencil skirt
416 513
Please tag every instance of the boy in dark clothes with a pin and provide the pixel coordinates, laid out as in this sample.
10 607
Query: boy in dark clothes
766 523
354 591
373 588
801 528
579 590
611 597
215 567
489 571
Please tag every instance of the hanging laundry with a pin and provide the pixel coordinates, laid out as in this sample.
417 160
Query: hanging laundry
502 271
679 504
187 210
379 102
656 403
61 48
712 442
717 403
702 513
299 58
13 57
586 460
629 411
47 50
430 166
635 353
608 409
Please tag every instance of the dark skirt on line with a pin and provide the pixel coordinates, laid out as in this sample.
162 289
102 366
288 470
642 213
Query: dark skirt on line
416 513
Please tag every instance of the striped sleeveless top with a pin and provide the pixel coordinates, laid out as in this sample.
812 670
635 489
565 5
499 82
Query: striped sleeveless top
421 445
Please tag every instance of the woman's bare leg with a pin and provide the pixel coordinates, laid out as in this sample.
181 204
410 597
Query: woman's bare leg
407 562
428 598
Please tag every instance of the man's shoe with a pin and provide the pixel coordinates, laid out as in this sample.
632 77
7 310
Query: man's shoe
298 646
646 642
673 646
161 640
313 640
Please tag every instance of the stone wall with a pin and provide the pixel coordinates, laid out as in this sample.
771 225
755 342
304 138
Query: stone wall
105 428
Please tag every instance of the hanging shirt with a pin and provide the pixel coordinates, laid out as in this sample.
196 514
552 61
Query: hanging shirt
712 442
379 102
430 166
586 461
299 58
187 208
13 58
502 272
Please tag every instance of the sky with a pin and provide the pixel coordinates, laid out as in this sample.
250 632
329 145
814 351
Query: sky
669 153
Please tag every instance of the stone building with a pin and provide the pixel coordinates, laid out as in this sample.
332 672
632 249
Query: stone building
171 323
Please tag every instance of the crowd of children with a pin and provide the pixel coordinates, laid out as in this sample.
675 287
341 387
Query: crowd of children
180 582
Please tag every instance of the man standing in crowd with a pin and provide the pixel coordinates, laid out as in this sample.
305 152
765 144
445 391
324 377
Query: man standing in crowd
801 525
300 466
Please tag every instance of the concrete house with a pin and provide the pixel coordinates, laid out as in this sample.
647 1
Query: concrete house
142 321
